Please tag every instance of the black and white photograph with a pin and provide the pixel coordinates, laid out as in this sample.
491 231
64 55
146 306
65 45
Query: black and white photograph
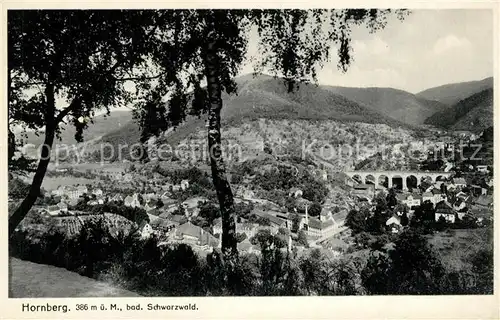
249 152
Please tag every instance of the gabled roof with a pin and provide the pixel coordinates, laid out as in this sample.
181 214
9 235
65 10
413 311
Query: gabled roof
208 239
444 207
189 229
340 216
436 191
427 194
217 222
53 208
363 186
175 218
393 220
484 200
459 181
245 245
271 218
325 212
62 205
401 197
416 196
319 225
143 224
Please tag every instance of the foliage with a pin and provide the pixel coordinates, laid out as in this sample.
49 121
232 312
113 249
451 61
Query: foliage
284 177
315 209
136 215
236 178
295 222
68 55
302 239
179 211
243 210
240 237
411 268
184 48
18 188
356 220
142 266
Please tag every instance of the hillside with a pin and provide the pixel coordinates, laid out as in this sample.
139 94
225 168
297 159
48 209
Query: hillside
331 140
474 113
396 104
33 280
452 93
266 97
102 125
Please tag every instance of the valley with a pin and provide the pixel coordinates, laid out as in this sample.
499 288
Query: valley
292 161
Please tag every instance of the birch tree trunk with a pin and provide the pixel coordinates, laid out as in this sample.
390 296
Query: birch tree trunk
36 184
222 187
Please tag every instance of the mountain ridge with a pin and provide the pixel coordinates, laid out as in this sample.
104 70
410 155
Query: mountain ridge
474 113
452 93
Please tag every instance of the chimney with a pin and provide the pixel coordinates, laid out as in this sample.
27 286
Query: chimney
289 243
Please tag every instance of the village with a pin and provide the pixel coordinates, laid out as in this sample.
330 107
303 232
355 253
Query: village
155 205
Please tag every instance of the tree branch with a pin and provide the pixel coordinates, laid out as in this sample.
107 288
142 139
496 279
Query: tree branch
74 104
141 77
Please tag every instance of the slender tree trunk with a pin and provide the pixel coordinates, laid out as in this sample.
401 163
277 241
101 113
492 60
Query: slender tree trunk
34 191
224 193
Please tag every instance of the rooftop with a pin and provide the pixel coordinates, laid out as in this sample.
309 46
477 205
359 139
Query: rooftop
319 225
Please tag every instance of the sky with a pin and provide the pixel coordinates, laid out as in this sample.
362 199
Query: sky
429 48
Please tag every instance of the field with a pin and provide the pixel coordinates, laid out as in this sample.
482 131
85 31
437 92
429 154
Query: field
455 247
33 280
52 183
108 167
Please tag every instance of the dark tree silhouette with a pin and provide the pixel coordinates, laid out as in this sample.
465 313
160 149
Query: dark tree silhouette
193 57
199 53
82 56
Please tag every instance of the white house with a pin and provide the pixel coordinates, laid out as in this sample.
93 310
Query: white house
322 227
55 210
444 209
132 201
459 205
482 168
463 196
460 182
97 192
117 197
413 200
184 184
145 229
437 195
394 223
194 235
82 189
427 196
295 192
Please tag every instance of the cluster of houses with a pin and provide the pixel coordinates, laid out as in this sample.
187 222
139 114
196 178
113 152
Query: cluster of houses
450 199
179 228
71 195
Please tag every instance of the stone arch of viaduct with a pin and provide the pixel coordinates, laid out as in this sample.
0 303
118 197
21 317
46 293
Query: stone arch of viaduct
404 175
